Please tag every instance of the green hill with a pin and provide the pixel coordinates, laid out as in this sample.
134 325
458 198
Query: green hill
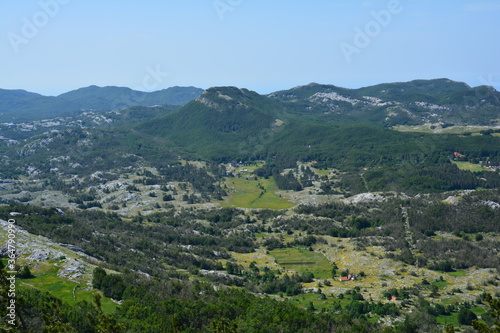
20 105
335 127
402 103
222 124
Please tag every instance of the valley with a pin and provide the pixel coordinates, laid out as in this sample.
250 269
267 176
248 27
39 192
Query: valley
318 208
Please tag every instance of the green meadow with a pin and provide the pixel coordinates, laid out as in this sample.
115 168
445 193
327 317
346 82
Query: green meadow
468 166
46 279
254 193
302 261
426 128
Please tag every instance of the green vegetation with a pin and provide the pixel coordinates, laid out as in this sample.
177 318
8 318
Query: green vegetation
187 240
20 105
254 193
227 124
457 273
189 292
470 166
443 129
303 261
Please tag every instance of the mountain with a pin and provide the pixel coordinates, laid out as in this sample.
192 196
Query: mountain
404 103
336 127
332 221
416 87
20 105
222 123
230 123
111 98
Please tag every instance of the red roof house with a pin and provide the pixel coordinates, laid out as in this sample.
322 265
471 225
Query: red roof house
346 278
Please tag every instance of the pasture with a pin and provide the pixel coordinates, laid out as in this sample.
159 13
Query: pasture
251 192
302 261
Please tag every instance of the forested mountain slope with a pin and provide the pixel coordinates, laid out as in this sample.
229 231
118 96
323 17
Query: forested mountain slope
20 105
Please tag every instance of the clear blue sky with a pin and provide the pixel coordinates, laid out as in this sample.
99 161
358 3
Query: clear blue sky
53 46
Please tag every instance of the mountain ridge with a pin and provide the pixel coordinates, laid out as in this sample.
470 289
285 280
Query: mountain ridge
230 121
21 105
401 103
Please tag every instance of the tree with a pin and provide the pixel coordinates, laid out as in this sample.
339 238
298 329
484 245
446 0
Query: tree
112 286
54 319
25 273
18 321
99 275
222 325
494 304
104 323
334 270
434 291
230 268
466 316
310 307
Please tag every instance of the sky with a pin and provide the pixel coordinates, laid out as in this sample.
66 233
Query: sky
54 46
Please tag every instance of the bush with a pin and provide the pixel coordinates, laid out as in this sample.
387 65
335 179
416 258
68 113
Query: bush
466 316
25 273
99 275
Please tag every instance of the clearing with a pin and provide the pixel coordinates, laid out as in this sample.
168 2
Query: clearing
471 166
248 191
302 261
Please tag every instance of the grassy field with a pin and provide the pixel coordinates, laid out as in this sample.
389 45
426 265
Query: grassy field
321 172
453 318
458 273
446 320
302 261
438 130
470 166
46 279
440 284
253 193
318 303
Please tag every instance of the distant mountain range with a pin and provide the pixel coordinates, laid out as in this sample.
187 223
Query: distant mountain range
404 103
347 129
228 121
20 105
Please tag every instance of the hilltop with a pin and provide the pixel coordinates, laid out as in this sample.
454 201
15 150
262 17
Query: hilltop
404 103
224 123
21 105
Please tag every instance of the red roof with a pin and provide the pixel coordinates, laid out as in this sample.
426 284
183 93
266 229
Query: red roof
457 154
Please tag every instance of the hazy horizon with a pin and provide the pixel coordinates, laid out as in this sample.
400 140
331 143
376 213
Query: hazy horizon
262 93
55 46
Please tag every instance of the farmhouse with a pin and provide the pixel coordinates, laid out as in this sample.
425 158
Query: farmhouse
347 278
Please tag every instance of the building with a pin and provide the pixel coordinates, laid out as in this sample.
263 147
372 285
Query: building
347 278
